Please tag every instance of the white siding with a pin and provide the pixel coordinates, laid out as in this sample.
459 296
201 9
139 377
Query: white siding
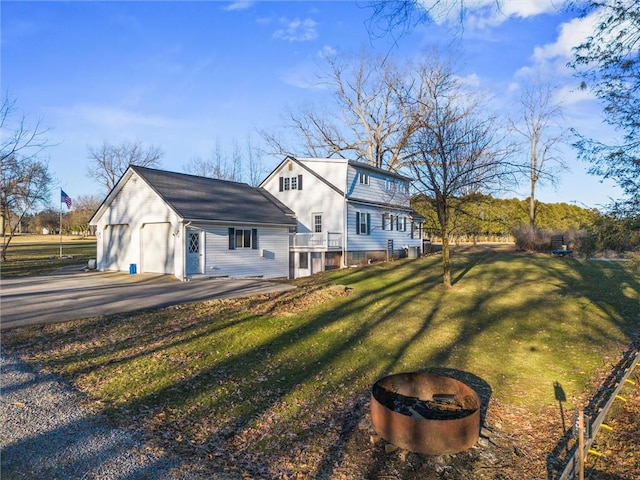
116 244
377 238
315 197
157 248
269 260
376 190
333 171
135 205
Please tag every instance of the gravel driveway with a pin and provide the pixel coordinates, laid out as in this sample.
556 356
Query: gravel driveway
45 435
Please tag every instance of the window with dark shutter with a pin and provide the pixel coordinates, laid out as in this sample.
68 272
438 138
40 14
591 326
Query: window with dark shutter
254 238
299 182
363 223
281 186
232 239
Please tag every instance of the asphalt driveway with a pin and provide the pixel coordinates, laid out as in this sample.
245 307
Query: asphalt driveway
76 294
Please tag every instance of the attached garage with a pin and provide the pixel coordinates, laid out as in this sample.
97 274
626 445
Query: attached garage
116 243
177 224
157 249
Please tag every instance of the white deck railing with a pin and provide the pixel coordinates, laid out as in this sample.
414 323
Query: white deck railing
317 241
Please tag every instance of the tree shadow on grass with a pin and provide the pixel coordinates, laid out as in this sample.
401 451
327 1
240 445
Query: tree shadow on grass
250 410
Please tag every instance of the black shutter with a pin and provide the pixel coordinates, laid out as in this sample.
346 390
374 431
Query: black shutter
358 223
368 223
254 238
299 182
281 187
232 239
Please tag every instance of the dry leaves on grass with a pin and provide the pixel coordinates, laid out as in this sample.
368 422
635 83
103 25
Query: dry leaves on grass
296 301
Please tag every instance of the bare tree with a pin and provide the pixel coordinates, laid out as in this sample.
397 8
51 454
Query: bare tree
399 17
540 126
370 121
254 164
108 162
25 180
242 164
458 152
18 138
217 166
84 206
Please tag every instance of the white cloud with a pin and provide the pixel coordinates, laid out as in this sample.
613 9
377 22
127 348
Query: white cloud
297 30
471 80
572 94
529 8
513 87
480 14
239 5
572 34
327 51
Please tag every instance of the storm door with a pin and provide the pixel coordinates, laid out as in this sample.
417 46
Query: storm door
195 252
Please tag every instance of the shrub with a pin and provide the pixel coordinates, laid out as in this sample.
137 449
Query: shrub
532 239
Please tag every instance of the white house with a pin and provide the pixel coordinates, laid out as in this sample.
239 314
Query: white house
189 226
347 212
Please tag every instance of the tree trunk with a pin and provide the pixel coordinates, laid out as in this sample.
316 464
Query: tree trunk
532 205
446 261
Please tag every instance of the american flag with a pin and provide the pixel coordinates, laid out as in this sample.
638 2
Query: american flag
65 198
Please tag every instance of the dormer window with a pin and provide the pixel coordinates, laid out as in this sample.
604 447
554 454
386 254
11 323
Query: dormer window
290 183
364 178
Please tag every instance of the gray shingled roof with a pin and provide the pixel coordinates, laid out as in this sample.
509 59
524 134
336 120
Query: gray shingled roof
207 199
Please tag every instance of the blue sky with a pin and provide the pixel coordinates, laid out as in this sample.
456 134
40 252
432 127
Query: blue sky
187 76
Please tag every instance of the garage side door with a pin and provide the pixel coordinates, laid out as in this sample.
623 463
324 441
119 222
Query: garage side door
157 248
117 244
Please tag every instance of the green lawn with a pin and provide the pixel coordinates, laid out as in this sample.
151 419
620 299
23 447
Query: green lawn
40 254
279 383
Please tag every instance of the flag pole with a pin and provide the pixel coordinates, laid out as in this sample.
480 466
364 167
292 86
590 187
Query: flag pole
60 223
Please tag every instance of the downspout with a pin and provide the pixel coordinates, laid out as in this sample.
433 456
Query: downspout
345 221
184 251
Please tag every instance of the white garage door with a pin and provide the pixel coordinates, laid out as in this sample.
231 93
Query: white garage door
157 248
117 244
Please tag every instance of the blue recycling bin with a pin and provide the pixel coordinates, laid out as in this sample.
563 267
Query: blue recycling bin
132 268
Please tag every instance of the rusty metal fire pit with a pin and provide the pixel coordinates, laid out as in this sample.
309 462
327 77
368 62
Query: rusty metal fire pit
426 413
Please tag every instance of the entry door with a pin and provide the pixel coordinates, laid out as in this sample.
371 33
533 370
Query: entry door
195 252
316 262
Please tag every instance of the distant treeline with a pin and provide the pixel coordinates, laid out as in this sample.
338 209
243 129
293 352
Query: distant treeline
496 219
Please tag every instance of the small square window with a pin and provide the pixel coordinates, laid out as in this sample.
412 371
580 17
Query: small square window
303 260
